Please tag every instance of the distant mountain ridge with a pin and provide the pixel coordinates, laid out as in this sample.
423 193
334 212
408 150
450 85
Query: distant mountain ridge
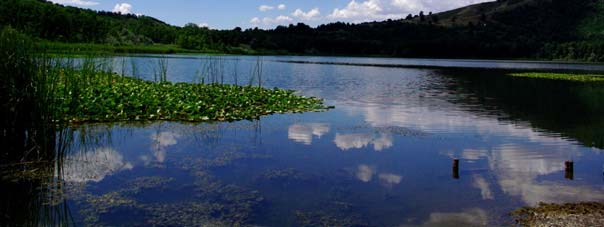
545 29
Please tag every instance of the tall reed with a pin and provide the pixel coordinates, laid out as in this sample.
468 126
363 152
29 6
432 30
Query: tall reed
161 72
29 159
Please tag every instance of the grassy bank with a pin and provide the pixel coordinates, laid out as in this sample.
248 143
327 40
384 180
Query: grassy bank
105 49
561 76
92 48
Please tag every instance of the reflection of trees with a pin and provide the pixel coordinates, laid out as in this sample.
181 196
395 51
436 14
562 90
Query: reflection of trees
29 187
33 171
572 109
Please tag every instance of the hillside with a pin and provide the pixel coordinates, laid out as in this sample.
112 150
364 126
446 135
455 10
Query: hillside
584 17
49 21
545 29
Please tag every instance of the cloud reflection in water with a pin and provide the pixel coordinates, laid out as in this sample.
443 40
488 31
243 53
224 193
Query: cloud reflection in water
93 165
303 133
162 140
349 141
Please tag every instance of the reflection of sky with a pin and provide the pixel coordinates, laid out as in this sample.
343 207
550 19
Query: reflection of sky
517 170
303 133
435 121
93 165
365 173
483 185
162 140
380 141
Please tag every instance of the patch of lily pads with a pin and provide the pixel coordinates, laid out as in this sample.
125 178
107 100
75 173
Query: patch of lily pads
106 97
561 76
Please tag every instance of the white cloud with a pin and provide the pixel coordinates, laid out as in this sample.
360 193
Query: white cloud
255 21
282 18
203 25
409 5
265 8
279 20
367 10
76 2
359 11
123 8
313 13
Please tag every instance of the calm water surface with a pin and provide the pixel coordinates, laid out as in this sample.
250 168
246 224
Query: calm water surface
383 157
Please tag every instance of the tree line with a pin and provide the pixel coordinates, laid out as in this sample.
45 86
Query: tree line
551 29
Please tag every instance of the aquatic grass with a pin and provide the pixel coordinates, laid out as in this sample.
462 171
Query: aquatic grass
561 76
107 97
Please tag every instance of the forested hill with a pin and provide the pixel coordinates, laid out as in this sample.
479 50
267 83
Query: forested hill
550 29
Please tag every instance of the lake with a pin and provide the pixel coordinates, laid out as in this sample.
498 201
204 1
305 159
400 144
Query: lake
383 157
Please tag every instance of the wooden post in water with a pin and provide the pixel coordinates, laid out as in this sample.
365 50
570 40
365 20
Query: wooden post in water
455 168
569 172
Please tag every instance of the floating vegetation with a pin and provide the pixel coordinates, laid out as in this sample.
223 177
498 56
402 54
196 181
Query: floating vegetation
103 97
137 185
285 178
401 131
92 206
187 214
570 214
283 174
214 204
561 76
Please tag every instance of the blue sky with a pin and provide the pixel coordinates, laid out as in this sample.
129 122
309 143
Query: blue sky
227 14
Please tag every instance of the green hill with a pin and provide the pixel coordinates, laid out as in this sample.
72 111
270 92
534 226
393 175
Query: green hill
55 22
584 17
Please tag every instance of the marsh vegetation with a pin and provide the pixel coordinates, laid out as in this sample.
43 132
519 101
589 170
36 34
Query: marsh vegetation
562 76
